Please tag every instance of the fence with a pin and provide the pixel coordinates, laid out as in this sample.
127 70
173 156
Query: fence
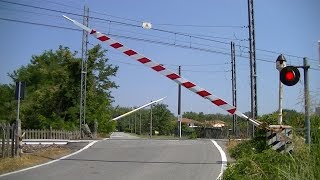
50 134
8 145
213 133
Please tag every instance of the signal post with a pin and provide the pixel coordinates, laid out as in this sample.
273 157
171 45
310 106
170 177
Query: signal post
289 76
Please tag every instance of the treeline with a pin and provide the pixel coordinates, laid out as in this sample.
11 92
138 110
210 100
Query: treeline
163 121
53 96
53 91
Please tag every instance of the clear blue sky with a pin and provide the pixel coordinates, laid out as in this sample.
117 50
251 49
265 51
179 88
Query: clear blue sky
287 26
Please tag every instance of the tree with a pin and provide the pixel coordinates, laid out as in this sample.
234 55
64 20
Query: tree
53 89
201 117
162 119
7 103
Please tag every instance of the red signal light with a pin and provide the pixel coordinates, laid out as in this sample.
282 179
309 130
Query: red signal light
289 75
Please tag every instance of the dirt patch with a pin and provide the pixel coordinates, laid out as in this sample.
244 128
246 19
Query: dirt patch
35 154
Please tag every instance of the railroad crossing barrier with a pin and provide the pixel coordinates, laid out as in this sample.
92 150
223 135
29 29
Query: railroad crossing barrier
165 72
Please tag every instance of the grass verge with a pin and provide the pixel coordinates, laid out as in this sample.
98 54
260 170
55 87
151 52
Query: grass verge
32 159
255 160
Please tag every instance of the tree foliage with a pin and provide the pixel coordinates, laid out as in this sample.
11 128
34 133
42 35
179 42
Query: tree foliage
53 90
162 120
7 103
201 117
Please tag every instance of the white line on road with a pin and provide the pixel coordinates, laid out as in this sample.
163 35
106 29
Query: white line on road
64 157
223 158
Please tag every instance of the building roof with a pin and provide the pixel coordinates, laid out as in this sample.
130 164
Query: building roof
214 123
188 121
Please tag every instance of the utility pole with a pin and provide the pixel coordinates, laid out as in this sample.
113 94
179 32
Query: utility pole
140 123
253 66
84 56
179 104
150 121
307 101
130 125
135 123
19 94
131 122
234 88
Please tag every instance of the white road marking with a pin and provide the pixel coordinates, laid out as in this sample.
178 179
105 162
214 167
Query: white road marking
64 157
223 158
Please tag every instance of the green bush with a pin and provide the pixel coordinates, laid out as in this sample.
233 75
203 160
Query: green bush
254 160
248 148
193 135
264 165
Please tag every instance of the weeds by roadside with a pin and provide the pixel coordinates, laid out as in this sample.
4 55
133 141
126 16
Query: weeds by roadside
32 159
255 160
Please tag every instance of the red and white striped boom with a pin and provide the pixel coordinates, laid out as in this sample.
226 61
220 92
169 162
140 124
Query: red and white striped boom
165 72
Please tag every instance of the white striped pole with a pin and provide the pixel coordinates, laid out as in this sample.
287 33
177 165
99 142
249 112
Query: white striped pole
165 72
130 112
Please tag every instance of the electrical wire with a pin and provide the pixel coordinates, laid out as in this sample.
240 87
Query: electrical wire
39 24
160 30
127 37
132 38
95 12
201 26
117 22
183 70
174 40
159 24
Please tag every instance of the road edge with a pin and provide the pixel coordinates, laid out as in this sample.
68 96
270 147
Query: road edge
50 162
223 158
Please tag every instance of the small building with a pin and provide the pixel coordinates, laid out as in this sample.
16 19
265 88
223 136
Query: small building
214 124
191 123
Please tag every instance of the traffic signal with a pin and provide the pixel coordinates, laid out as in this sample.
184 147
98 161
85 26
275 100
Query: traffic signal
289 75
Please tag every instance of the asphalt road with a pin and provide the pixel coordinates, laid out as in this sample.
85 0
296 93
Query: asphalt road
127 157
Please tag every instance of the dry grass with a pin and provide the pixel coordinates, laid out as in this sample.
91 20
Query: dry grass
232 143
32 159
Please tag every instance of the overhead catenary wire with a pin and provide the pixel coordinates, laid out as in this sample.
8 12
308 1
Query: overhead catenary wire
39 24
159 24
92 11
32 12
185 70
201 26
202 37
108 20
152 41
144 40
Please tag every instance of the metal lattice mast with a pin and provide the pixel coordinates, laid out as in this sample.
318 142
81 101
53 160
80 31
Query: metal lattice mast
84 56
234 87
253 66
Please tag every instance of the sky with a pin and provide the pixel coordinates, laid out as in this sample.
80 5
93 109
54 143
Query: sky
204 29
